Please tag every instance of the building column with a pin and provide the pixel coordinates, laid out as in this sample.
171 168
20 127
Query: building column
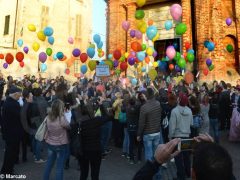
237 21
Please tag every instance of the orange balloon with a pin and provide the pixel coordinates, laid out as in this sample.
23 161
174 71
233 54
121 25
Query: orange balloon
189 77
150 22
1 56
147 60
171 67
136 46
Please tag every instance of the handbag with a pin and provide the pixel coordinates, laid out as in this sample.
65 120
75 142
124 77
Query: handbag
41 131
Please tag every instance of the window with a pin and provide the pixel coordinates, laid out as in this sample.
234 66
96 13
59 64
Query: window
44 16
78 26
6 26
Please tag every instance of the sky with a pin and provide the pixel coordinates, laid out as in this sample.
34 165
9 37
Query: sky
99 20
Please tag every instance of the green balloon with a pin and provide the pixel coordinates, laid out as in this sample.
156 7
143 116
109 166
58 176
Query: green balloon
182 63
229 48
190 57
118 72
211 67
177 56
181 28
109 63
49 51
144 47
92 46
139 14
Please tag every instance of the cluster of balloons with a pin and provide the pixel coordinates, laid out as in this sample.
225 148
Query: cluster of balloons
209 64
99 43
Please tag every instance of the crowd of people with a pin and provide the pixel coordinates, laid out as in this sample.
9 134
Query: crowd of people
136 117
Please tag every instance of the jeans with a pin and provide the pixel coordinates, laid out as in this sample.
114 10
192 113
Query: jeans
126 141
132 137
183 164
55 153
106 131
151 141
214 129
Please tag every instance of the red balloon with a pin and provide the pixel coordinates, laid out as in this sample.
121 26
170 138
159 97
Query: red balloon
1 56
171 67
187 45
21 64
19 56
83 57
147 60
117 54
123 66
136 46
67 71
9 58
205 72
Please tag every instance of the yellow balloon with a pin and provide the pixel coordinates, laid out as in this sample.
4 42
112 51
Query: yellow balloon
126 54
41 35
142 26
141 3
152 74
155 64
92 65
32 27
150 51
155 38
35 46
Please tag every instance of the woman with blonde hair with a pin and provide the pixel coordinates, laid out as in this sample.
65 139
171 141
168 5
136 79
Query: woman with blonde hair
56 139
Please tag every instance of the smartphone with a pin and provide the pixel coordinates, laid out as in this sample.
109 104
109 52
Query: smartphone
186 145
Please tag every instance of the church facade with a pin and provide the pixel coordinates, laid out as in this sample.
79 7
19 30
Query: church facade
205 20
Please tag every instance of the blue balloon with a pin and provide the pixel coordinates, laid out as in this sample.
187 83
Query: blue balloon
100 45
210 46
168 25
91 52
102 63
175 45
134 81
206 44
43 67
51 40
151 32
110 56
143 69
163 65
20 42
48 31
191 51
60 55
84 69
55 56
97 38
141 55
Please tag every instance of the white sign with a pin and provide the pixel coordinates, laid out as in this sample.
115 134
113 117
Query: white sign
102 70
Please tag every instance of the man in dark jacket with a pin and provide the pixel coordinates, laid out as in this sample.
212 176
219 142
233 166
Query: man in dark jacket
12 129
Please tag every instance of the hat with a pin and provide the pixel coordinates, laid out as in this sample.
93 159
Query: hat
14 89
183 100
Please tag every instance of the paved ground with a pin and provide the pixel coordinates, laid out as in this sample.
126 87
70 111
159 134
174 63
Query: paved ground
114 167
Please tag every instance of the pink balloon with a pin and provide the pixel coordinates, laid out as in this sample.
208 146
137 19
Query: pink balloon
70 40
138 34
171 52
126 25
176 11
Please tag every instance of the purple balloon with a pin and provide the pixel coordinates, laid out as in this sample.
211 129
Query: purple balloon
228 21
132 33
131 61
177 68
25 49
138 34
76 52
42 57
209 62
154 54
5 65
115 63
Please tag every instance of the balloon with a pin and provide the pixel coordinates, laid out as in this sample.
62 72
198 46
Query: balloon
92 46
139 14
21 64
5 65
9 58
229 48
188 77
144 46
134 81
55 56
211 46
156 38
142 26
84 69
123 66
229 21
162 65
60 55
181 28
115 63
97 38
150 22
141 3
138 34
20 42
126 25
83 57
41 36
42 57
76 52
155 64
143 69
190 57
171 52
168 25
122 58
181 63
109 63
1 56
132 33
101 54
91 52
100 45
141 56
131 61
177 56
177 68
187 45
67 71
191 51
205 72
19 56
209 62
35 46
176 11
150 51
110 56
117 54
175 45
152 74
49 51
206 44
32 27
126 54
25 49
51 40
92 65
48 31
211 67
136 46
43 67
151 32
147 60
171 67
154 54
70 40
117 72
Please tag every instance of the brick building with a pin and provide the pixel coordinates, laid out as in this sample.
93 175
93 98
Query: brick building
205 20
